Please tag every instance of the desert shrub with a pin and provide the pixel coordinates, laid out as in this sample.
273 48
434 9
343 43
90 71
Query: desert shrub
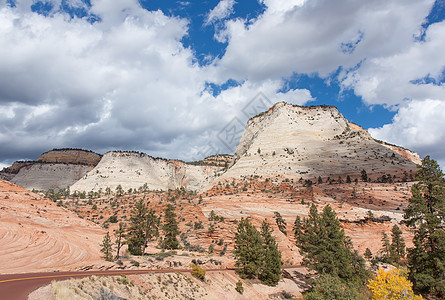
239 287
332 287
198 272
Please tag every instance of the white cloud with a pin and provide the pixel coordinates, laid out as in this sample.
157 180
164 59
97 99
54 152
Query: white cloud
126 82
282 5
389 79
417 125
221 11
310 37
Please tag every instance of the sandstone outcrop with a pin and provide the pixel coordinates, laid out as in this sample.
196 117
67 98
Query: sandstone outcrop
45 176
309 142
55 169
133 170
38 235
70 156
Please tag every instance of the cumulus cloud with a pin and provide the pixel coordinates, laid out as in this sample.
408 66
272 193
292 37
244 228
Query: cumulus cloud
221 11
318 36
125 82
417 125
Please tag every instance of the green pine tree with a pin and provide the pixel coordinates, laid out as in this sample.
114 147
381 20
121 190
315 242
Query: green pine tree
248 251
170 228
136 231
325 248
364 175
385 251
426 215
107 247
119 233
271 271
368 254
397 247
151 228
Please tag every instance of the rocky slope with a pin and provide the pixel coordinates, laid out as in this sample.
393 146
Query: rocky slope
55 169
133 170
309 142
37 235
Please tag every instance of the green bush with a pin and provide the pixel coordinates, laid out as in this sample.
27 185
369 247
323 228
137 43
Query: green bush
332 287
198 272
239 287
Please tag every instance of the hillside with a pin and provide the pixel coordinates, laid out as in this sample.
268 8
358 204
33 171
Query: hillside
133 170
309 142
38 235
55 169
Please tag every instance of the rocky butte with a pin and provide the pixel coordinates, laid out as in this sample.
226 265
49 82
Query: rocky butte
55 169
313 141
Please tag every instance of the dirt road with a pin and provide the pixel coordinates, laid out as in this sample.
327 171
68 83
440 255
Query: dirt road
19 286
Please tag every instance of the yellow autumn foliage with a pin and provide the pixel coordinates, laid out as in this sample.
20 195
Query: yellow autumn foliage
392 285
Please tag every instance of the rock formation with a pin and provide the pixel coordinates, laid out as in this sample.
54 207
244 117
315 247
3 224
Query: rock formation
55 169
312 141
37 235
133 170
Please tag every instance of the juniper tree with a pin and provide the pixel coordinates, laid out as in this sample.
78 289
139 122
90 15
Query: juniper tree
280 222
170 228
426 215
271 271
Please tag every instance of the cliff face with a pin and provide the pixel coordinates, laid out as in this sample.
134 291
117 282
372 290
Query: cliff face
309 142
55 169
70 156
133 170
45 176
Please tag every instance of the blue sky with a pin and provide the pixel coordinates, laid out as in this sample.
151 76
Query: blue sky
166 77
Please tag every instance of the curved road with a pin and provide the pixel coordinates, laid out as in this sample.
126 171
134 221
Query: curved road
19 286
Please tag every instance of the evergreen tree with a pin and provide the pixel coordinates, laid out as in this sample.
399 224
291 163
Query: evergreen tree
280 222
320 181
426 214
136 231
325 248
151 228
364 175
107 247
119 191
368 254
397 245
119 233
170 228
385 251
271 272
248 249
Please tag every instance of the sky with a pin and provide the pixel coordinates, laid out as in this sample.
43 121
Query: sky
179 79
